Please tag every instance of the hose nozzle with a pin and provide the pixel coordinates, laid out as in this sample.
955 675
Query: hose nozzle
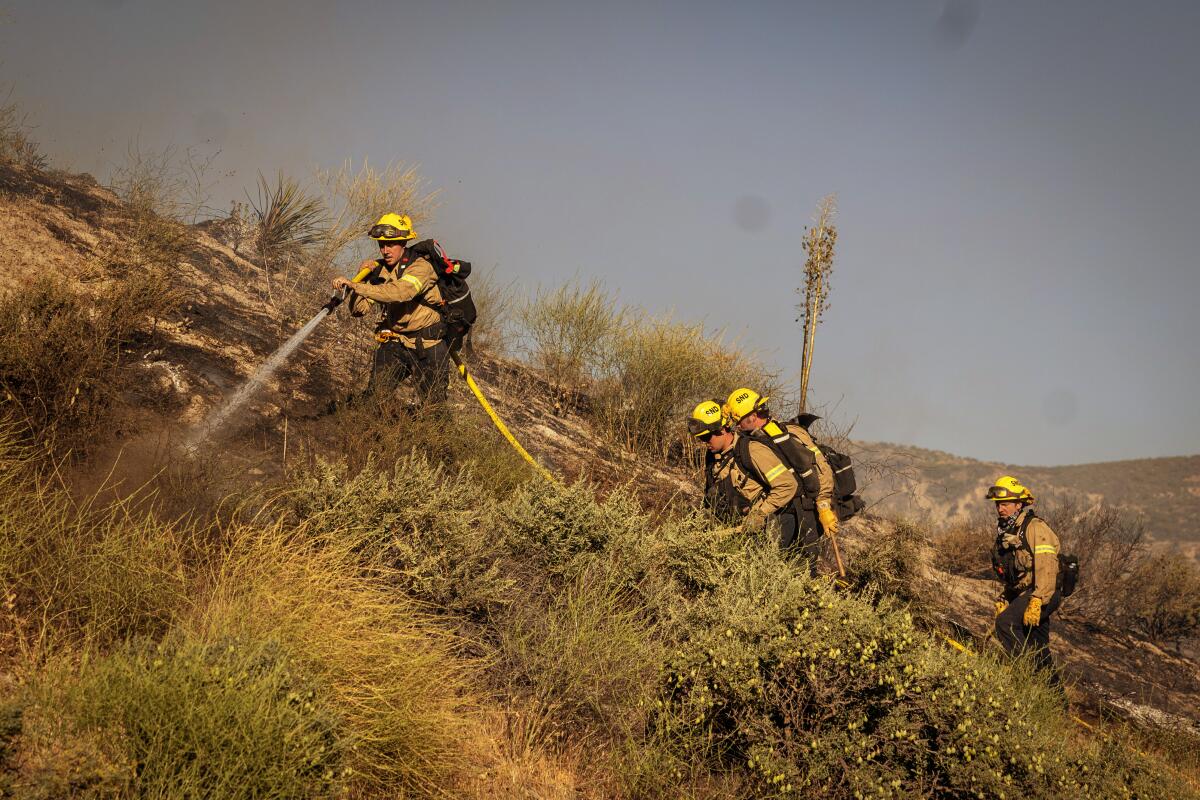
335 301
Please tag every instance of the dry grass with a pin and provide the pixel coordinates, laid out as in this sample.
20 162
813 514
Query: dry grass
392 678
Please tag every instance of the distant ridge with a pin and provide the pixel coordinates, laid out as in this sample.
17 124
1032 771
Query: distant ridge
914 481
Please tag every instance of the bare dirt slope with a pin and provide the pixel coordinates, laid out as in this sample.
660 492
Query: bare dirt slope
69 225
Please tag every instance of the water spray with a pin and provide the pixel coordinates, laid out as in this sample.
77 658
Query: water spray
247 390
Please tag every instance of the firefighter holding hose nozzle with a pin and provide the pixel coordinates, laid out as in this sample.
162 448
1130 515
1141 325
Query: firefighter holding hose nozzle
411 332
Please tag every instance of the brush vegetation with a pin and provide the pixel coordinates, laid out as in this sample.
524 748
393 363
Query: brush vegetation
346 634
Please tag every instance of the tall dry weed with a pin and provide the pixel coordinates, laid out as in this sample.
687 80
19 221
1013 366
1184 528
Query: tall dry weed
390 673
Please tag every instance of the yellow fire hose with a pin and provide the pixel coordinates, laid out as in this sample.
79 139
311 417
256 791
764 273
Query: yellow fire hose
499 423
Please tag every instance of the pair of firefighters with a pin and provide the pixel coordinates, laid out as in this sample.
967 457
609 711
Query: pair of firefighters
766 474
412 337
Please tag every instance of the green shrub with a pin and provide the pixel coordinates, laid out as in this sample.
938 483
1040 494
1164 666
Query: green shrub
561 528
198 719
420 520
585 652
810 692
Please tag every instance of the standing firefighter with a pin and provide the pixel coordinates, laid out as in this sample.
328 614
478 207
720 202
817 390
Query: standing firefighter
814 506
411 333
1025 557
744 481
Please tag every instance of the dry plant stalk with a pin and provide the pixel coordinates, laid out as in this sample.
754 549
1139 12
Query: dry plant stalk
818 267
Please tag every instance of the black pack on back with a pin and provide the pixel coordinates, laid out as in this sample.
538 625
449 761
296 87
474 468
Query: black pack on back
846 501
458 312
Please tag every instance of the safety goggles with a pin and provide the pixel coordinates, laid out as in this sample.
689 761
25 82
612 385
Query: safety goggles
387 232
999 494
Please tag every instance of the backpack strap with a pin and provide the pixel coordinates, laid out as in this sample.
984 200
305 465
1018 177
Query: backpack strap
741 456
1023 542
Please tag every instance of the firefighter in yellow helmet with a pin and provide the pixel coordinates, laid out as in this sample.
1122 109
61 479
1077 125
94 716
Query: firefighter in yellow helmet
411 335
744 481
1025 558
815 513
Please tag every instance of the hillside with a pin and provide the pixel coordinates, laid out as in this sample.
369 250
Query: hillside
518 638
945 488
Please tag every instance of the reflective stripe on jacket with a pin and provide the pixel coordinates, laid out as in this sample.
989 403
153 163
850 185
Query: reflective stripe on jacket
410 298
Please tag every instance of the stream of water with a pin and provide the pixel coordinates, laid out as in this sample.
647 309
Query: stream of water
222 414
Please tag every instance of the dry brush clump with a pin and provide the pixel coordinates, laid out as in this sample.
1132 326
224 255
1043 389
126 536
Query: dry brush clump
637 375
16 143
66 357
570 331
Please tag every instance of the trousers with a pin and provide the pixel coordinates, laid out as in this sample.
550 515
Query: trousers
1018 638
800 534
393 363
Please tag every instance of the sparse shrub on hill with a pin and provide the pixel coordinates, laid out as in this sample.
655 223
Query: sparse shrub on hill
15 143
425 523
497 304
640 374
965 549
1111 545
657 370
1161 599
65 356
571 331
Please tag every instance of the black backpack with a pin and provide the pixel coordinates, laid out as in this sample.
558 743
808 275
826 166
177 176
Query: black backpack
458 311
846 500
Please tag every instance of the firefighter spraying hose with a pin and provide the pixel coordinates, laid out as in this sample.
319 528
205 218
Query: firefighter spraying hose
427 310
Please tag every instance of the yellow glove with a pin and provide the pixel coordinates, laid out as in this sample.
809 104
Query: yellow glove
1000 606
1033 613
829 520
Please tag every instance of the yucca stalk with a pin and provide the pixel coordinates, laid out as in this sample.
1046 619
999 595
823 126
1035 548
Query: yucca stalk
818 267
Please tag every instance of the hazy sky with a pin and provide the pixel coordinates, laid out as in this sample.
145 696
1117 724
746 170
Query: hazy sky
1018 182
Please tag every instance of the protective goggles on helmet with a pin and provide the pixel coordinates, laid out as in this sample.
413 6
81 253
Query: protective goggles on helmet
703 430
1001 494
388 232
